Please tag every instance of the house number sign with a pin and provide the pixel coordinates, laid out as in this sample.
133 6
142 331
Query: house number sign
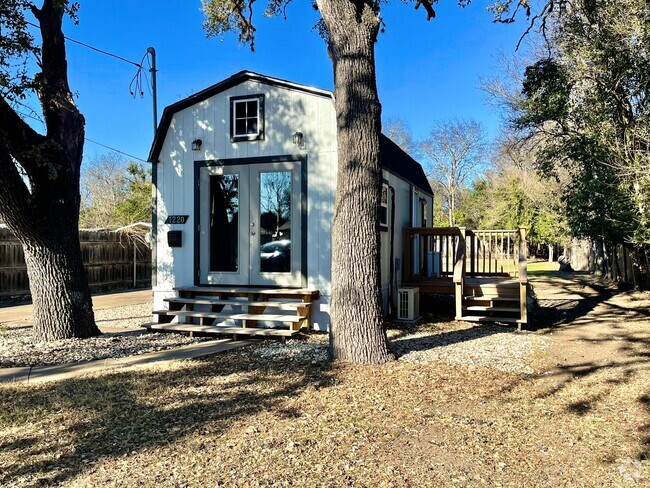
177 219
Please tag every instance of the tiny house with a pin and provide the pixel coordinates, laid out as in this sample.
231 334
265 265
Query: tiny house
245 180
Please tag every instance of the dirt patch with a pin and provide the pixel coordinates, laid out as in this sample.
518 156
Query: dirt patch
259 417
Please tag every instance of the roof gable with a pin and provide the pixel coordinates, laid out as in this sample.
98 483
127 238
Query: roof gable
213 90
393 158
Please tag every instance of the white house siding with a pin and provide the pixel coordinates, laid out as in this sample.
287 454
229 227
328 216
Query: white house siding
405 196
286 111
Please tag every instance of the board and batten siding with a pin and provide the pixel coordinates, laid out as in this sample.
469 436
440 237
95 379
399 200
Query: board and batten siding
407 214
286 111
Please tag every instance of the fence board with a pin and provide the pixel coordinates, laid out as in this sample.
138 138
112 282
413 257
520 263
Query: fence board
107 256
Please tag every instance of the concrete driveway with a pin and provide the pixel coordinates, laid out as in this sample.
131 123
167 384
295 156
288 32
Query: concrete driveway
22 314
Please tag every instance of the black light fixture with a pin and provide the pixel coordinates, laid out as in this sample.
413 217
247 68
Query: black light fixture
196 144
297 139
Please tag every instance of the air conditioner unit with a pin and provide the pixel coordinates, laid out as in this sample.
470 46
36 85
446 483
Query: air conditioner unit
408 304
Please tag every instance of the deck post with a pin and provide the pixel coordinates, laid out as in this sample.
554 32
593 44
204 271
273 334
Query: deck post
523 278
459 272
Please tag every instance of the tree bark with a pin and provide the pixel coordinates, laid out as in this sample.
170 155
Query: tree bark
45 216
357 333
60 293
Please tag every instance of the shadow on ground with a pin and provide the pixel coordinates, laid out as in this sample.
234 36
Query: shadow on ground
117 414
601 346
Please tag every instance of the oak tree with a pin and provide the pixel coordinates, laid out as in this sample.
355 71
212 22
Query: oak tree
39 195
350 28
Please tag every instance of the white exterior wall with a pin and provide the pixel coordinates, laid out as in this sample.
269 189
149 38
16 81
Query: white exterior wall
286 111
407 214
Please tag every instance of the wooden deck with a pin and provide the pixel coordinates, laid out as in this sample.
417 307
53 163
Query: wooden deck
485 270
218 310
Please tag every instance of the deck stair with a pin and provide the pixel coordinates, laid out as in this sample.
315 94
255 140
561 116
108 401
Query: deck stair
485 270
263 312
491 300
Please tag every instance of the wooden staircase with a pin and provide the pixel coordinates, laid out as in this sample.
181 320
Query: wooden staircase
208 310
485 270
492 300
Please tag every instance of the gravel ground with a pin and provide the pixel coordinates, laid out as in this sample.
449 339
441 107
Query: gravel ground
125 316
461 343
17 348
458 343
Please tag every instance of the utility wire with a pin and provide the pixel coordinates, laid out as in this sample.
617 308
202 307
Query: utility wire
94 48
117 150
135 87
90 140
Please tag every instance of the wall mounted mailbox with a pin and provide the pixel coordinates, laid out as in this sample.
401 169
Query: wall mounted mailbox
175 238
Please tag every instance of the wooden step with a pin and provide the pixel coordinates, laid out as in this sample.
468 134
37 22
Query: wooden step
217 330
233 316
479 318
304 293
239 303
478 308
493 299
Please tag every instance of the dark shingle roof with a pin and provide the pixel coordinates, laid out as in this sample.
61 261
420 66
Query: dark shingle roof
394 159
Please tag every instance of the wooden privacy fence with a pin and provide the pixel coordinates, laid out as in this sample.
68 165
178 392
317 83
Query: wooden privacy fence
113 260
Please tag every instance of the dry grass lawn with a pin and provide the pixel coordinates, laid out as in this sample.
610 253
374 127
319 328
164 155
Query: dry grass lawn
238 419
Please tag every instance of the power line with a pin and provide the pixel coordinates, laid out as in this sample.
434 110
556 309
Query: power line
90 140
101 51
117 150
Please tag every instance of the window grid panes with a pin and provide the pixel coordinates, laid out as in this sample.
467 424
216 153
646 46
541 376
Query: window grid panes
246 117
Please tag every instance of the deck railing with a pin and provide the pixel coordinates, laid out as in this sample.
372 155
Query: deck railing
432 253
435 255
429 253
493 252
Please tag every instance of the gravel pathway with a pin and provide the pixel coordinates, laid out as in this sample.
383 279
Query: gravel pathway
17 348
461 343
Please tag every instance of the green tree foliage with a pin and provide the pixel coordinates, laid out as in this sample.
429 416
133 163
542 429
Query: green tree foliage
512 194
589 99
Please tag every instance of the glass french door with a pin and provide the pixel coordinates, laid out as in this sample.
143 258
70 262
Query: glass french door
250 224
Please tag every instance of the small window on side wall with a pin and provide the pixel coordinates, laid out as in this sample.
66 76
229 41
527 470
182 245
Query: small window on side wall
247 118
383 208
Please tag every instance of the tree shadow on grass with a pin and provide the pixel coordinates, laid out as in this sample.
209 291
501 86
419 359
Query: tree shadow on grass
596 376
117 414
404 343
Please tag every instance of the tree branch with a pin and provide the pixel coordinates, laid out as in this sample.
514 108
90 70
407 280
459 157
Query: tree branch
18 136
428 7
62 119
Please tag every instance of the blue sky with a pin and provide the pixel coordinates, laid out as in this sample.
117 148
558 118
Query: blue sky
426 71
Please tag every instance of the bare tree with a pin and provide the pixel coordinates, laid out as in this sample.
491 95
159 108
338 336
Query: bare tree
399 131
454 151
103 184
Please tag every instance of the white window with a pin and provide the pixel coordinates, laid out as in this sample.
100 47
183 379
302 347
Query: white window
247 118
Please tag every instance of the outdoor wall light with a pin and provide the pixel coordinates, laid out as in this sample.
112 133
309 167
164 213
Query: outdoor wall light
297 139
196 144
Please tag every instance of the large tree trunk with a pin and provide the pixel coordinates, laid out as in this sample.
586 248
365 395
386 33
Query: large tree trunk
357 333
60 293
44 216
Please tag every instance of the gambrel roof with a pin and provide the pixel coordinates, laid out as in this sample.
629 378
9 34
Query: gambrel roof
394 159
